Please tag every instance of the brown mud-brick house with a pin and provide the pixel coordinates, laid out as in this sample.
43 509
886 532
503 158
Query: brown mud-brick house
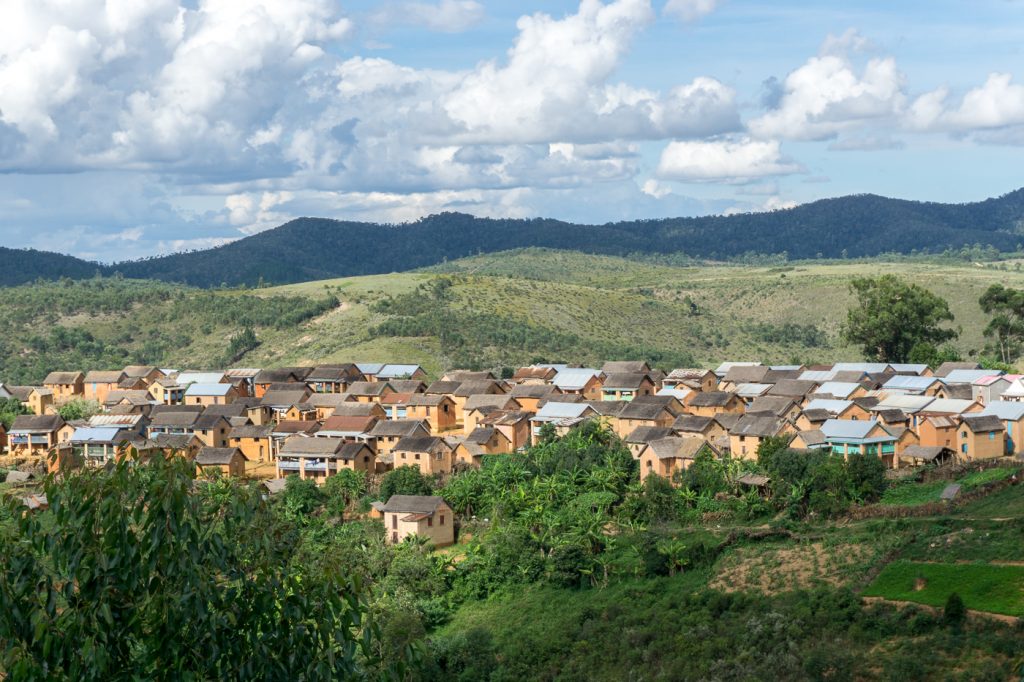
210 394
437 410
65 385
668 456
468 389
580 381
490 439
626 386
147 374
515 425
637 414
534 375
530 396
309 458
400 371
707 428
167 392
255 442
752 429
430 454
225 461
714 403
326 403
349 428
98 384
385 434
638 439
429 517
782 407
694 379
981 437
478 406
331 378
369 391
36 435
285 375
40 400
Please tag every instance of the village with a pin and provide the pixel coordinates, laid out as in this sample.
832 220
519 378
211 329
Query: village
313 422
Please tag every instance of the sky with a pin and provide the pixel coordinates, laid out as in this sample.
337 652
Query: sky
130 128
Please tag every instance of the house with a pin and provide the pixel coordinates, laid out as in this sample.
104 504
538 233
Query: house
529 396
173 422
981 437
938 430
332 378
407 385
284 375
868 437
281 401
840 390
945 368
838 409
389 372
97 445
749 392
695 379
98 384
515 425
139 401
637 414
349 428
368 391
795 389
707 428
917 455
638 439
283 430
430 454
461 375
534 375
969 376
36 435
563 416
255 442
386 433
914 385
65 385
185 445
626 367
491 440
146 374
167 392
394 404
580 381
1011 413
746 436
369 369
714 403
40 400
212 430
668 456
320 458
743 374
426 516
353 409
783 407
210 394
225 461
470 389
476 407
988 389
626 386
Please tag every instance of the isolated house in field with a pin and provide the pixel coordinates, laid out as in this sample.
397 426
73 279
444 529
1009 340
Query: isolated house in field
210 394
981 437
226 461
428 517
430 454
746 436
36 435
714 403
580 381
65 385
668 456
98 384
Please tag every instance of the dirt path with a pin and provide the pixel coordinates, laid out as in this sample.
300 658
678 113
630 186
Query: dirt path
1009 620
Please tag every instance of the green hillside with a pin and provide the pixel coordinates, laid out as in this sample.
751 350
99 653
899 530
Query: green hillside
495 310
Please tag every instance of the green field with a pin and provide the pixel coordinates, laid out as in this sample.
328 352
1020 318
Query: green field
909 494
983 587
547 305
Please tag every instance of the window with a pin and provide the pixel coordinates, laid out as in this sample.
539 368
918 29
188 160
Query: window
991 435
394 520
963 434
442 519
417 455
430 521
963 448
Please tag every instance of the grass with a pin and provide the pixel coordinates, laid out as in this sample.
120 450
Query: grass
983 587
910 493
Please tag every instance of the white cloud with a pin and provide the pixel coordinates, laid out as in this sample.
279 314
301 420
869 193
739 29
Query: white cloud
736 160
690 10
998 103
826 95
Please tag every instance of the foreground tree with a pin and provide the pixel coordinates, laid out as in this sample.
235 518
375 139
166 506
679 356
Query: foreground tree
135 573
892 317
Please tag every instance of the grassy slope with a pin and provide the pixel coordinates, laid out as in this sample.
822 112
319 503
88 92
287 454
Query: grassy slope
594 297
996 589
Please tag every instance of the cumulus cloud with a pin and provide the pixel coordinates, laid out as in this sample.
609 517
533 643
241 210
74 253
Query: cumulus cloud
827 95
731 160
997 104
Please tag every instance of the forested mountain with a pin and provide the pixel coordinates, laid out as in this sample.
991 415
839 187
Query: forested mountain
18 266
317 248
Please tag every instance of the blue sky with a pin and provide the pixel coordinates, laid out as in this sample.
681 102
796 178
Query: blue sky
135 127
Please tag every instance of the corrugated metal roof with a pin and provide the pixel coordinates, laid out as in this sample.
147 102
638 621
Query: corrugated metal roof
969 376
92 434
397 371
369 367
847 429
869 367
830 406
948 405
908 403
199 378
752 390
909 383
1006 410
207 389
553 410
840 389
574 378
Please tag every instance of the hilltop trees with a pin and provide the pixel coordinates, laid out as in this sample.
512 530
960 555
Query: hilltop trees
1006 328
892 317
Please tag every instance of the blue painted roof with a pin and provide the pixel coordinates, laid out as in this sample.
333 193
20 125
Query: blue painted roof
95 434
207 389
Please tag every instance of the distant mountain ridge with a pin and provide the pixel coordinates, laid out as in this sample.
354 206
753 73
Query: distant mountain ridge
319 248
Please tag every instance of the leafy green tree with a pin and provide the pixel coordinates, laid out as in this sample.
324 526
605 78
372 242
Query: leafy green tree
867 476
1006 328
301 496
954 613
79 408
11 408
928 354
342 489
132 574
892 316
405 480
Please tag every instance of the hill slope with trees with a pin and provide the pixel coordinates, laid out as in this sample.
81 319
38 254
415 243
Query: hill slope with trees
309 249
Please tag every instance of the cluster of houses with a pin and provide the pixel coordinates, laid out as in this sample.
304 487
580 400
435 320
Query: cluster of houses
316 421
